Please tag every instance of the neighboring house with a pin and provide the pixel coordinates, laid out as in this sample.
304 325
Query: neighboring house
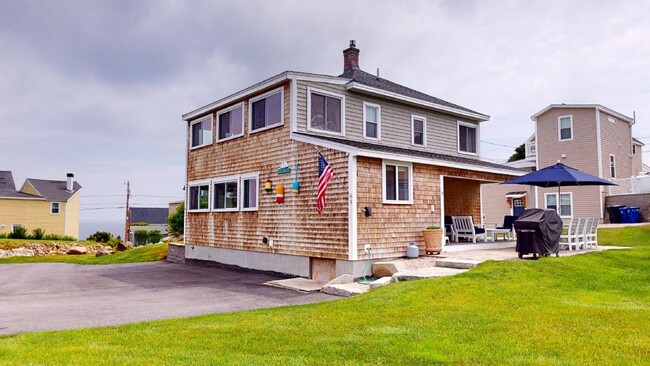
51 205
589 137
147 218
402 160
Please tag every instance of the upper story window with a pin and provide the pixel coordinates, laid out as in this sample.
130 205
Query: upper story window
201 132
611 119
418 131
226 191
612 166
467 138
633 149
397 182
55 208
371 121
326 111
565 128
266 110
230 123
249 192
566 203
199 197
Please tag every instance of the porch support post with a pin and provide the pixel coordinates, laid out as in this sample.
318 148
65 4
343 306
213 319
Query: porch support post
442 208
352 208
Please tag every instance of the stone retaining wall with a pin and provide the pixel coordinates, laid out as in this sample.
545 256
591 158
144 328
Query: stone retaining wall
176 253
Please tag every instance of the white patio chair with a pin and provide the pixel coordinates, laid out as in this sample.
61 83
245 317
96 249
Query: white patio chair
591 237
586 228
572 236
464 226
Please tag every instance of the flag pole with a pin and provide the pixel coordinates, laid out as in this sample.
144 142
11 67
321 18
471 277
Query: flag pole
336 175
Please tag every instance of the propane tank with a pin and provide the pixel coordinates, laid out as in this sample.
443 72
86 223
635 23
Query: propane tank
412 250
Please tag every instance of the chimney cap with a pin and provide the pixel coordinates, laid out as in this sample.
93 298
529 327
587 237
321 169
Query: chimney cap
70 175
353 43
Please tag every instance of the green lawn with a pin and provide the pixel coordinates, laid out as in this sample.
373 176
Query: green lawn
147 253
587 309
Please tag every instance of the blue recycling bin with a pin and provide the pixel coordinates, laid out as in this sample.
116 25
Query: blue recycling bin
624 214
633 214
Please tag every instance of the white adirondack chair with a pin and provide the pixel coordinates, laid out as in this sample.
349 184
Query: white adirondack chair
591 236
464 226
573 233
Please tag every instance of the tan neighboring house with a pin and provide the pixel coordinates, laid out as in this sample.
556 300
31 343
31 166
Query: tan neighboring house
402 159
588 137
47 204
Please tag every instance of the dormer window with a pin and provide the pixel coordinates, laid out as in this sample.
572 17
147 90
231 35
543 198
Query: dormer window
326 112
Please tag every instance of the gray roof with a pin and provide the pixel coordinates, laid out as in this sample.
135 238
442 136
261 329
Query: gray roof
53 190
415 153
8 187
373 81
151 215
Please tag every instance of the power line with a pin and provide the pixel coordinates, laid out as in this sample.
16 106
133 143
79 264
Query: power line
495 144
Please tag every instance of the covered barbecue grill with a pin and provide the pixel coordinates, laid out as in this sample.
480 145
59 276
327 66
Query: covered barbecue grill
538 232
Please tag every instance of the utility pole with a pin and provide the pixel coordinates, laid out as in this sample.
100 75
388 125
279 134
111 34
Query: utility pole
127 227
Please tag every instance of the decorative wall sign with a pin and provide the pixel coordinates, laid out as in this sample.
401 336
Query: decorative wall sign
284 168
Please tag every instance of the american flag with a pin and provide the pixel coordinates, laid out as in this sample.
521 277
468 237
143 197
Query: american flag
325 174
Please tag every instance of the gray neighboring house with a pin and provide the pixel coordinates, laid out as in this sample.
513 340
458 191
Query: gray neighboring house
155 217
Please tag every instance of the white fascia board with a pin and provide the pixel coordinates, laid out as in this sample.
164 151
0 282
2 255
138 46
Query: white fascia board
324 143
23 198
317 78
237 96
597 106
418 160
354 86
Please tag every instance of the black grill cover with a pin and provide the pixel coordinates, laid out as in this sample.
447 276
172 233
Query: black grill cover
538 231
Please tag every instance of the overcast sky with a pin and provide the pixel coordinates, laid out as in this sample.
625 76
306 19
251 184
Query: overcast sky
98 88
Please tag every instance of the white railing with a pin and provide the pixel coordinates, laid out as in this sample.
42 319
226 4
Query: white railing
633 185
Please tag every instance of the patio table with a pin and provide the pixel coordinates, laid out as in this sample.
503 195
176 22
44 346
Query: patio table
493 232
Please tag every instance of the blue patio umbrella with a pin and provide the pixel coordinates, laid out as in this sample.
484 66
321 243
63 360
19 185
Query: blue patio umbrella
559 175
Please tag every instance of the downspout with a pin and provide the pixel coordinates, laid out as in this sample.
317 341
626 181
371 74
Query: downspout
185 188
442 209
599 148
352 209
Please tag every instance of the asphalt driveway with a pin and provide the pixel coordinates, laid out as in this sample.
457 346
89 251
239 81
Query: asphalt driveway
52 296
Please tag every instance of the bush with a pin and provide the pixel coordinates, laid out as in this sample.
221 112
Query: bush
141 237
176 221
3 235
155 236
58 237
100 237
113 241
140 223
38 233
19 233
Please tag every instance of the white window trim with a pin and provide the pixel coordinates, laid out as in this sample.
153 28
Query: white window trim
477 136
263 96
559 127
311 90
13 227
383 182
611 119
612 164
424 130
227 111
52 206
372 105
557 199
197 184
199 120
228 179
249 176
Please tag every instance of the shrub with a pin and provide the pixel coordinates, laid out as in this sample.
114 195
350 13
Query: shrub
19 233
3 235
176 221
100 237
140 223
58 237
141 237
113 241
38 233
155 236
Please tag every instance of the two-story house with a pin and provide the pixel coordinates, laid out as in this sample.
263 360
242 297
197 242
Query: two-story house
589 137
52 205
402 160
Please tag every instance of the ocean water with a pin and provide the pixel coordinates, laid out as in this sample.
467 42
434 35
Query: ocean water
86 228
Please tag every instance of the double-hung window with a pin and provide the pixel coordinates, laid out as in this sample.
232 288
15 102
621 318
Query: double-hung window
371 121
467 136
226 192
566 203
230 123
201 132
55 208
199 197
267 110
397 182
612 166
249 192
565 128
418 131
326 112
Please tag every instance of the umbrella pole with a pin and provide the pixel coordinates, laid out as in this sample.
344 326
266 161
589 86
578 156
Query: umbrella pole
558 198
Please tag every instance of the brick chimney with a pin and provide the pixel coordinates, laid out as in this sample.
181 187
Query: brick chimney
351 57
